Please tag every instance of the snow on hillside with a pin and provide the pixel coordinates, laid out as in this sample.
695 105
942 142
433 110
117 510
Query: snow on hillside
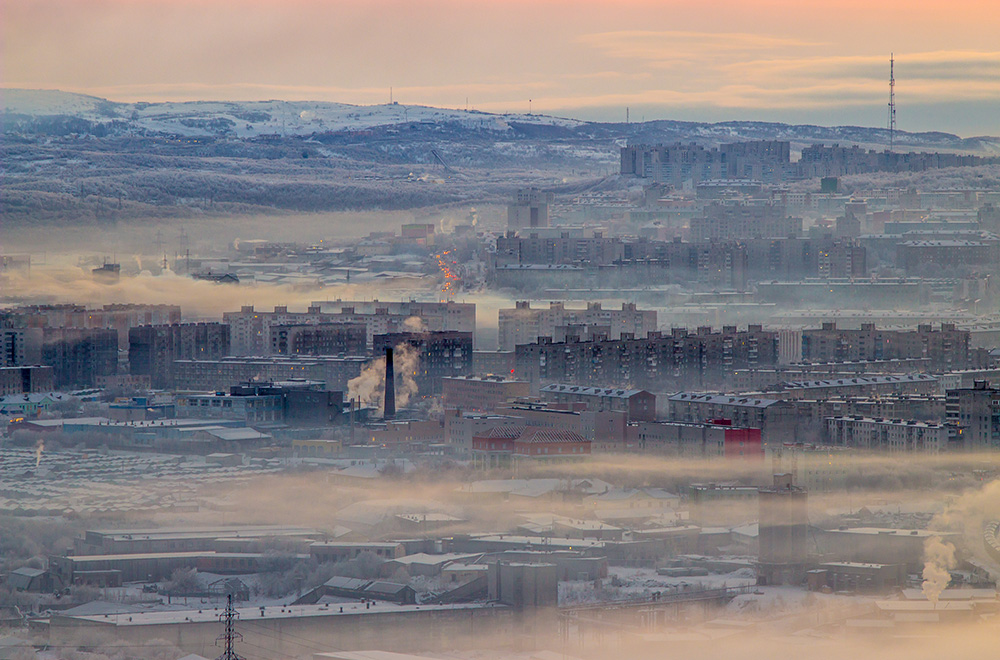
303 118
40 102
254 118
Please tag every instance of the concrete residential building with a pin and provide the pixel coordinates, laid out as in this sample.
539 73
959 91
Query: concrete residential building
775 418
524 325
120 317
26 380
319 339
20 346
639 405
695 439
860 386
763 160
975 414
153 349
887 435
440 354
251 328
657 362
78 356
735 222
529 209
565 249
946 348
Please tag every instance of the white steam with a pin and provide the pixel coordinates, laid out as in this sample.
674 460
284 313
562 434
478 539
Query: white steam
939 559
369 387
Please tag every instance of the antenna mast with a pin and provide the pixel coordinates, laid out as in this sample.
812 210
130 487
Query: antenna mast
230 636
892 103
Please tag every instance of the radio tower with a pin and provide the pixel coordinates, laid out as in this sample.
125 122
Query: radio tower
892 103
230 636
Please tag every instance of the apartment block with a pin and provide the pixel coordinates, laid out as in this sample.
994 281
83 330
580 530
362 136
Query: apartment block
319 339
887 435
153 349
975 414
524 325
439 354
657 362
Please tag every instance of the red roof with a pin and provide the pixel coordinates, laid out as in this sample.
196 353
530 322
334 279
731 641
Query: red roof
539 434
506 432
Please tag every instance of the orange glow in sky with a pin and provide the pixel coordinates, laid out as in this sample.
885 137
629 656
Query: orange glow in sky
713 59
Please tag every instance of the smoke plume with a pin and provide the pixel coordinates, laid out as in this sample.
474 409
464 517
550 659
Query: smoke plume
39 448
939 559
369 386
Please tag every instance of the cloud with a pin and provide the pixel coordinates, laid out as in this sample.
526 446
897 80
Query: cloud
678 46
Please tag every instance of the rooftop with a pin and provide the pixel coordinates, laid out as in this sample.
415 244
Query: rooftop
211 616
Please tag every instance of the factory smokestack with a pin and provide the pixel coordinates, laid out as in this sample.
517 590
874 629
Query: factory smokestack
390 386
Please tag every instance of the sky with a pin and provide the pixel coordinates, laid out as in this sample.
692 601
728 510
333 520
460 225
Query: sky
705 60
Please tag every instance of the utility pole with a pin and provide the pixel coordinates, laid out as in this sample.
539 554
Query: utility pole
230 636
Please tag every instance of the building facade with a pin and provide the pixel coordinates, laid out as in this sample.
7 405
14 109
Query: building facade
439 354
524 325
319 339
153 349
658 362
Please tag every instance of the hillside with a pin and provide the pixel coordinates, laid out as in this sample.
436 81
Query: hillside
76 158
54 112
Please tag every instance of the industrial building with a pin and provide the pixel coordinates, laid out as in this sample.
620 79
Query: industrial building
481 393
221 374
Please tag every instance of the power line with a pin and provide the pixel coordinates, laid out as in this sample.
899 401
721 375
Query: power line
230 636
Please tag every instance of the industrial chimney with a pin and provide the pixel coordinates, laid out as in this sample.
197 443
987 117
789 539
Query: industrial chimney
390 386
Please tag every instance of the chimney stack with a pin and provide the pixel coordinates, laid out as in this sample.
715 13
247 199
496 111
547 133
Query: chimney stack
390 386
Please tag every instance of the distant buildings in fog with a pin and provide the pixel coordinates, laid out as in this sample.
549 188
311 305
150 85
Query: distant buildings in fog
770 161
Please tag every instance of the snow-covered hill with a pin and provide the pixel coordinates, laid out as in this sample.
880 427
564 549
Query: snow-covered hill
50 111
255 118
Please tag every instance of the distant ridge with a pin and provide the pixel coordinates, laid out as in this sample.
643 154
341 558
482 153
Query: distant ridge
24 111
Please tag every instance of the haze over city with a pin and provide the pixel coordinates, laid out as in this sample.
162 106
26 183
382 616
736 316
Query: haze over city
499 330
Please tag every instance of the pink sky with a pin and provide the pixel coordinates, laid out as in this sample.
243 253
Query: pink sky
825 62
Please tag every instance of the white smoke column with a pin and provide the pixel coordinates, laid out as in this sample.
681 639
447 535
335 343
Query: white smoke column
407 363
939 559
39 448
369 386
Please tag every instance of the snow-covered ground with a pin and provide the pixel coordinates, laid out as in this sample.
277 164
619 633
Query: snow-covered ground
635 583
